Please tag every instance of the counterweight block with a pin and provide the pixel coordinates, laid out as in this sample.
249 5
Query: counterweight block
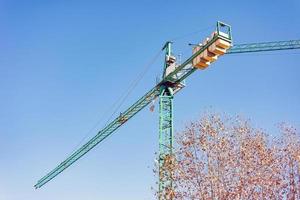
218 45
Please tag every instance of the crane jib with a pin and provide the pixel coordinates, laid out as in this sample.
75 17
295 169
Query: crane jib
264 46
101 135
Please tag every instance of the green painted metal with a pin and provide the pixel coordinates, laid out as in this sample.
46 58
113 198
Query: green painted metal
165 139
169 83
165 128
163 89
264 46
167 48
224 28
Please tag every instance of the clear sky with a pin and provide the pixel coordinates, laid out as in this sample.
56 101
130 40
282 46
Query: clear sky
64 63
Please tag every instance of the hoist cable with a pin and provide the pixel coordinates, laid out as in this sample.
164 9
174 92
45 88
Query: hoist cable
179 37
120 101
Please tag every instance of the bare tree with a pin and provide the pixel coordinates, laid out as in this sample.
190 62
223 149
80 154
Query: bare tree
221 157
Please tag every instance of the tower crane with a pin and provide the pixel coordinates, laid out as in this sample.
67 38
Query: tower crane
213 47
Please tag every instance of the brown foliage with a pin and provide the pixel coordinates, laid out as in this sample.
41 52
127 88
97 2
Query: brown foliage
227 158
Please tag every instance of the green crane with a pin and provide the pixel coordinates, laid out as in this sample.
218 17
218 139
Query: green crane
171 83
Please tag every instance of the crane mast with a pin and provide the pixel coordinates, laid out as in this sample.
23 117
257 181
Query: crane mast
205 53
166 124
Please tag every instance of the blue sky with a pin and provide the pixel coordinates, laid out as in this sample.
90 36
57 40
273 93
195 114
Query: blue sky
63 64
